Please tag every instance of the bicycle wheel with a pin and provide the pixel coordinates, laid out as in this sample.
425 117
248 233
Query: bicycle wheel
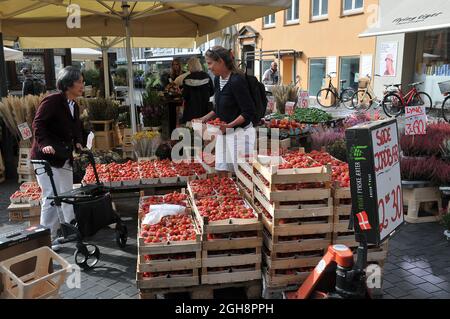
346 98
422 98
392 104
326 93
361 100
446 109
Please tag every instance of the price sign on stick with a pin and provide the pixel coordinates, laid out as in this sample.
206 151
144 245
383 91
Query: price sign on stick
376 189
415 120
25 131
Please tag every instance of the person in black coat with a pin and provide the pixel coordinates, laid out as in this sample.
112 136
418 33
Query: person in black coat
197 89
234 106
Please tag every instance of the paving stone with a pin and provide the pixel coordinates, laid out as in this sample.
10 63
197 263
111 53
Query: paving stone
418 272
415 280
396 292
433 279
108 294
122 296
444 286
406 286
119 286
419 294
441 295
393 279
430 288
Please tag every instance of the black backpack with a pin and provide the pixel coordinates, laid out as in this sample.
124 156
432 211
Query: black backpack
258 94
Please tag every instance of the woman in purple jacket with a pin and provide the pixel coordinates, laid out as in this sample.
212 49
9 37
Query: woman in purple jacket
57 131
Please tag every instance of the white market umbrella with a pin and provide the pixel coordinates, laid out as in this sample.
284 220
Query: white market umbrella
85 54
160 19
12 55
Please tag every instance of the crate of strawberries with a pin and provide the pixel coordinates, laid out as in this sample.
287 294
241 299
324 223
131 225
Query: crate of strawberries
169 246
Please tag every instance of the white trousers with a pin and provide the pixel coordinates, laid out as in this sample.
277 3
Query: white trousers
231 146
63 178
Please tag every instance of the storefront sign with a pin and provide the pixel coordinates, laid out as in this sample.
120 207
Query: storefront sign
374 162
415 120
25 131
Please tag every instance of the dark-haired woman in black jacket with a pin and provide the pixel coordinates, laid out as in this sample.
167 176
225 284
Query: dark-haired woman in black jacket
234 106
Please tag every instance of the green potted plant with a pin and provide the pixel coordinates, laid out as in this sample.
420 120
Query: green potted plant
152 109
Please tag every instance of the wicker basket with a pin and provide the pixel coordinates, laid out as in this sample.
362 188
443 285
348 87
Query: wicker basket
363 83
444 87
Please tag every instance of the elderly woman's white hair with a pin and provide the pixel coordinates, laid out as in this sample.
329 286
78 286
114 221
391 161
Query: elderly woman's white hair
194 65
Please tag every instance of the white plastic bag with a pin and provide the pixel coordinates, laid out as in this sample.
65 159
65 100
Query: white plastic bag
157 212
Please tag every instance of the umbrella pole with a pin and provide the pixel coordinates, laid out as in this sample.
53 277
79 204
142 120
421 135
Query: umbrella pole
105 67
130 81
3 86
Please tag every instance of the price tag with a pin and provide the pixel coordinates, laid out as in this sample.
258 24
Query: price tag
25 131
303 100
415 120
289 108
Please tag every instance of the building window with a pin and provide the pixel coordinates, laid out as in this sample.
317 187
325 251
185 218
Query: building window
349 71
269 21
179 50
190 50
317 72
353 6
319 9
292 13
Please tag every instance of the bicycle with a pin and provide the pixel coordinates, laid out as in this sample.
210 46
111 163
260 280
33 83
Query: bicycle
395 101
445 90
362 99
344 97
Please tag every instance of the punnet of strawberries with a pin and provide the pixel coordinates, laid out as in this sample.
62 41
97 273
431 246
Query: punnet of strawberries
170 228
295 159
221 186
220 208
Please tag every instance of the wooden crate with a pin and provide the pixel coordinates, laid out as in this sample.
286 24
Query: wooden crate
24 212
25 169
342 211
215 252
252 290
273 176
244 178
169 265
127 144
306 214
104 134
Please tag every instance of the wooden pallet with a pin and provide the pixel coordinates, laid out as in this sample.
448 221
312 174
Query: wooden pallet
25 169
414 197
170 264
252 290
247 250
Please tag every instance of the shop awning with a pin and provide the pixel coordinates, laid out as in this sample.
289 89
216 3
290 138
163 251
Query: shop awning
410 16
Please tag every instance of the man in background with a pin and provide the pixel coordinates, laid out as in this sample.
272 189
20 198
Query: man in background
271 76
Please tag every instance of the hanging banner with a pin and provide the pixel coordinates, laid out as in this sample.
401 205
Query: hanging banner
376 188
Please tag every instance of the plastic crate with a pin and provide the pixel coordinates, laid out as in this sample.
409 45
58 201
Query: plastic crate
444 87
42 282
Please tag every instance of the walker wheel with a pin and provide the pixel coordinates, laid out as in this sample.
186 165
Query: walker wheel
87 256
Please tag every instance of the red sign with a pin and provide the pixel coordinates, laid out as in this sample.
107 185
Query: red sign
415 120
